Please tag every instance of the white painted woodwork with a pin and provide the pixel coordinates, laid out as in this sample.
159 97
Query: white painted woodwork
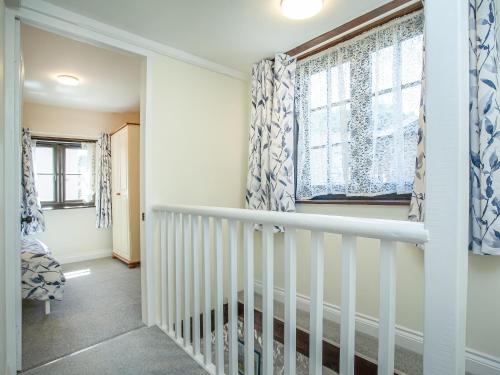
171 272
396 230
186 221
178 244
348 306
196 236
387 308
233 299
447 185
248 254
388 231
316 314
219 296
163 269
125 193
207 293
290 273
267 299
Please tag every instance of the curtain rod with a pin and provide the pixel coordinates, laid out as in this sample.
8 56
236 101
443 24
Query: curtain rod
62 140
356 26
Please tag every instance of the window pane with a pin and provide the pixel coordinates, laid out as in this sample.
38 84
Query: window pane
384 158
411 104
383 112
337 170
45 186
318 90
382 69
318 129
340 116
73 188
411 59
341 82
44 159
318 166
76 160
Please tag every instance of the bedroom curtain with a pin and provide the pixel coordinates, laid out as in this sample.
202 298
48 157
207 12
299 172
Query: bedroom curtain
103 182
270 179
484 134
32 220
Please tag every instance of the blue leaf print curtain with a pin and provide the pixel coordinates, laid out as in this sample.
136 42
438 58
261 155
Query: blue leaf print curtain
417 203
32 220
484 131
103 182
270 179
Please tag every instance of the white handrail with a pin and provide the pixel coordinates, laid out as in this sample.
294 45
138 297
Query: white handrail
394 230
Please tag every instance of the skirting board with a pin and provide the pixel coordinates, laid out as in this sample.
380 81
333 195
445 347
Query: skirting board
477 363
85 255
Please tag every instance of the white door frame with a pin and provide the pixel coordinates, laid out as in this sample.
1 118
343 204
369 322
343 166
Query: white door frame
12 130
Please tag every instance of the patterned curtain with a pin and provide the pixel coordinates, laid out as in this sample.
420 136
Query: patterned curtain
32 220
103 182
484 134
417 204
270 179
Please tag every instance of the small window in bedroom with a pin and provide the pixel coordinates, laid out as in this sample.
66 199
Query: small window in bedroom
64 172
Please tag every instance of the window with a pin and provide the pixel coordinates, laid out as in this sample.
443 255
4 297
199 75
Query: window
357 109
64 172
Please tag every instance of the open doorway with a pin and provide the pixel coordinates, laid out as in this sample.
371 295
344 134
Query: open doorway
80 251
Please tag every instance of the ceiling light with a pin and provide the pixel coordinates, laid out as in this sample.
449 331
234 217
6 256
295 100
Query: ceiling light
68 80
300 9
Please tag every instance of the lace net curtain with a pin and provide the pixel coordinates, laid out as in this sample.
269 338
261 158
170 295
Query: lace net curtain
357 110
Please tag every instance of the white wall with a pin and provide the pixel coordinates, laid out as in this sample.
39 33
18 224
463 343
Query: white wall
71 234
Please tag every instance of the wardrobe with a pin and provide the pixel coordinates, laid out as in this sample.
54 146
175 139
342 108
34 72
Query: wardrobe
125 199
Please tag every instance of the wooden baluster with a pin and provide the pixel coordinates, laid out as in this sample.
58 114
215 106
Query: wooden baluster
195 235
219 295
248 233
267 299
207 294
171 272
178 244
348 305
387 308
163 268
233 299
187 283
290 300
316 316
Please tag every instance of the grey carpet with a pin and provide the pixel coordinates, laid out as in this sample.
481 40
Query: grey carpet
139 352
96 307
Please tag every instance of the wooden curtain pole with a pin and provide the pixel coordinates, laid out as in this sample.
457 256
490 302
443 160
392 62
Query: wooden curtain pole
353 28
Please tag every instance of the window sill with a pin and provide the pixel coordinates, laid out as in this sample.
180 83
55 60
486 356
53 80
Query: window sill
363 202
66 207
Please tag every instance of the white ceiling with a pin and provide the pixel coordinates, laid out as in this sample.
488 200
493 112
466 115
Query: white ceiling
234 33
109 80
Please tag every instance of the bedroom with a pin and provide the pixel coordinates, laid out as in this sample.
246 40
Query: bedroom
81 115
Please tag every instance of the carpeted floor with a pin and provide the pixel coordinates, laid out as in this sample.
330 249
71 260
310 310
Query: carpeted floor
96 307
139 352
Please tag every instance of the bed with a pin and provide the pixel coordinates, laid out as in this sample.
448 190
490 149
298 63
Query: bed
42 276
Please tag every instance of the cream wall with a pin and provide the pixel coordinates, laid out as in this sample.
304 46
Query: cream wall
197 142
71 234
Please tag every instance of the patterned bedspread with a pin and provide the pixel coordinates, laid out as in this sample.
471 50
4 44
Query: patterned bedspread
42 275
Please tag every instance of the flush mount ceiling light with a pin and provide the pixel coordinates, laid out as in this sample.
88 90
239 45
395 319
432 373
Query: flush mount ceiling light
300 9
67 80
